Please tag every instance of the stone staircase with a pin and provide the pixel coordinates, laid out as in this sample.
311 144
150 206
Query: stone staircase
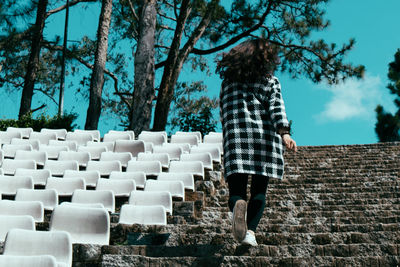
337 206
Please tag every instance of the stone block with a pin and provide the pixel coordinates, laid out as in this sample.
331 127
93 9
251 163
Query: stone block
321 239
87 253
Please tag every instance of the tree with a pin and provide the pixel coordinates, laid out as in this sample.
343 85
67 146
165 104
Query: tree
97 79
199 23
387 126
33 63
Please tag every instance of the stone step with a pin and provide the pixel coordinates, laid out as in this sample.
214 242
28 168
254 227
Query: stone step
131 260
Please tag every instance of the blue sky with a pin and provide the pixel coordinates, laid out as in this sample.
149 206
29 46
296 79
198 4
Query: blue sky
321 114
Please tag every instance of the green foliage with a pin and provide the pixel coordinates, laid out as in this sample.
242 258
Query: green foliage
387 126
57 122
192 112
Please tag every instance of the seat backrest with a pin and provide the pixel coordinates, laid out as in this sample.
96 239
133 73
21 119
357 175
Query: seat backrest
65 187
80 137
39 176
39 156
6 137
72 145
90 177
112 137
186 178
10 165
192 140
28 261
95 151
146 215
163 158
53 151
132 146
10 184
175 187
105 197
120 188
83 157
128 132
60 133
43 137
174 151
197 133
204 157
104 167
194 167
151 198
10 150
85 225
95 133
58 167
8 222
34 143
138 177
29 243
108 145
149 167
157 139
123 157
48 197
25 132
32 208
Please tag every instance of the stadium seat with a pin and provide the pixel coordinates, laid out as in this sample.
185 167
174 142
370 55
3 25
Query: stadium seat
214 149
8 222
108 145
83 157
10 184
60 133
39 157
132 146
31 208
95 133
43 137
104 167
28 261
122 157
176 188
150 168
39 176
174 151
151 198
194 167
80 137
85 225
186 178
9 150
34 143
37 243
72 145
48 197
120 188
128 132
192 140
25 132
204 157
145 215
157 139
94 151
105 197
163 158
198 134
58 167
65 186
6 137
53 151
112 137
138 177
90 177
10 165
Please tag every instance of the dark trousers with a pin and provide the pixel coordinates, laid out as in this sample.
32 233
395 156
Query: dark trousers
238 190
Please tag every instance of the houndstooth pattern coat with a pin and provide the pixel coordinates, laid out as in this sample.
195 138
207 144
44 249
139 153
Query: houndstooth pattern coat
251 116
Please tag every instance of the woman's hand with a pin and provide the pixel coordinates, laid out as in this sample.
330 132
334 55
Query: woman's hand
289 142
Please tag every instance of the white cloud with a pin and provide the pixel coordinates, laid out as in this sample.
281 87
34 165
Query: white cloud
353 99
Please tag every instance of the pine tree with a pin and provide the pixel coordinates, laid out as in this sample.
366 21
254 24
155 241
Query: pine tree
387 126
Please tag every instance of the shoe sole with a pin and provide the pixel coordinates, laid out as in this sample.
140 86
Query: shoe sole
239 220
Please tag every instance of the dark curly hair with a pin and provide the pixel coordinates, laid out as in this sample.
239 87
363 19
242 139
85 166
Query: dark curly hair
249 61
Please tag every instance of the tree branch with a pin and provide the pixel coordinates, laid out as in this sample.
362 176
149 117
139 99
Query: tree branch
61 8
165 16
38 108
237 37
132 8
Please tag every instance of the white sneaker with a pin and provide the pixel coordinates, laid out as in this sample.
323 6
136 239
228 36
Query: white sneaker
250 239
239 226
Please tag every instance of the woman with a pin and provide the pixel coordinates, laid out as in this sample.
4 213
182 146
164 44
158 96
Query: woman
255 128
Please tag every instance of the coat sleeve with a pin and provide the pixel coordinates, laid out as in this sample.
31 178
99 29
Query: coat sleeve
277 107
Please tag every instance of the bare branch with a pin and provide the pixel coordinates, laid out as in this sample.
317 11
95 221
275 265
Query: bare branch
132 8
162 46
38 108
165 27
237 37
61 8
46 94
165 16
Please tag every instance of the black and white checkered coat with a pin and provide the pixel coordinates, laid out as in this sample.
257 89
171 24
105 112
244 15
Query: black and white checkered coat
251 115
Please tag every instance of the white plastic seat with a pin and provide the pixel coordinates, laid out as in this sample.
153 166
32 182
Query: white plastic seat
31 208
174 151
95 133
120 188
10 184
6 137
185 146
43 137
65 187
104 167
60 133
39 176
34 143
157 139
128 132
145 215
176 188
192 140
108 145
8 222
204 157
58 167
28 261
25 132
105 197
152 198
214 138
53 151
9 150
213 148
85 225
186 178
132 146
48 197
156 133
84 205
123 157
163 158
90 177
94 151
148 147
10 165
72 145
36 243
153 168
81 157
138 177
80 137
39 157
112 137
198 134
194 167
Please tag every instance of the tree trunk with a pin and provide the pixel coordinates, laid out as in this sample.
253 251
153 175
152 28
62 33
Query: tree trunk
143 94
173 69
33 63
97 79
